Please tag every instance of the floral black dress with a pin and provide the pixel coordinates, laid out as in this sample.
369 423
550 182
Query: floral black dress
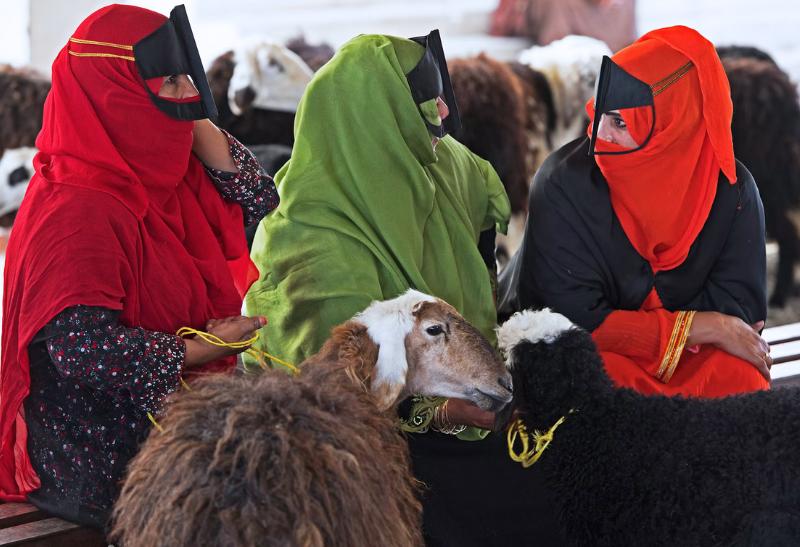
93 381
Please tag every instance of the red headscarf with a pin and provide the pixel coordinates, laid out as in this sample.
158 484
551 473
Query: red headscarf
662 194
120 214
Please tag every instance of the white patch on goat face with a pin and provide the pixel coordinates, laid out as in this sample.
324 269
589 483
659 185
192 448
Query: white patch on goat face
276 75
532 326
388 323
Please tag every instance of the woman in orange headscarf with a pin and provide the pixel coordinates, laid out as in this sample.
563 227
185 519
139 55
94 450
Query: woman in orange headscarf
649 233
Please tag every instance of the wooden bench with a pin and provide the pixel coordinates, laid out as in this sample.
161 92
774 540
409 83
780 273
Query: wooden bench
25 525
784 343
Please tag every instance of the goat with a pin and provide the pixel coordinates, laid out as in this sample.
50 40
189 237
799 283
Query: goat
23 92
766 138
571 66
631 469
311 460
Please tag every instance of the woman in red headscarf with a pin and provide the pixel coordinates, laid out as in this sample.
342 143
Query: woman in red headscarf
132 227
649 233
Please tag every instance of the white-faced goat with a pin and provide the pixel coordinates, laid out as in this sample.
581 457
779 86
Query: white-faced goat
315 459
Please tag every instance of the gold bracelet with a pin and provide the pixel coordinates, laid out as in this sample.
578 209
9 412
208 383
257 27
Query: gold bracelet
441 421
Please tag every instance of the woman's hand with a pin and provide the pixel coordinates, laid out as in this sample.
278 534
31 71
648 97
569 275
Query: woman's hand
230 329
460 412
731 334
211 146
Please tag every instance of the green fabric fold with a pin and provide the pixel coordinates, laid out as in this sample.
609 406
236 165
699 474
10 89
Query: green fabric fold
368 208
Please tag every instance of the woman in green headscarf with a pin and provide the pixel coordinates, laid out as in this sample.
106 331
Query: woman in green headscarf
376 200
369 208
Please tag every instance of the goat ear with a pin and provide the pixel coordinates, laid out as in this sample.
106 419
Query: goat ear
419 306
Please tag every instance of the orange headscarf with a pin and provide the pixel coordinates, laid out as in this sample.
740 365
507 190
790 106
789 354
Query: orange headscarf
662 193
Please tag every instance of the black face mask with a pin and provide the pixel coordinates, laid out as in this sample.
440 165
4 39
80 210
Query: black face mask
430 79
617 89
171 49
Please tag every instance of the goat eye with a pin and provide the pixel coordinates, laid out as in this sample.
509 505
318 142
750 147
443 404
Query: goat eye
434 330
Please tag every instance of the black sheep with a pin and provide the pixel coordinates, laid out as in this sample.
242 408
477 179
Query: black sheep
631 470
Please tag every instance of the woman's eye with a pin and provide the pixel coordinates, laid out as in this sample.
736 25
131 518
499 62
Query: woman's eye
434 330
172 79
619 122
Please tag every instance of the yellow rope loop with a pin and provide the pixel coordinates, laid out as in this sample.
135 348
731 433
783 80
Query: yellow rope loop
260 356
183 332
529 456
257 354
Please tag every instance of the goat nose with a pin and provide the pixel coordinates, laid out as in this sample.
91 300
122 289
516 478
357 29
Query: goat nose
244 97
506 382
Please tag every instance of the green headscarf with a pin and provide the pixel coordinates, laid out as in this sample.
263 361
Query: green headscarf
368 209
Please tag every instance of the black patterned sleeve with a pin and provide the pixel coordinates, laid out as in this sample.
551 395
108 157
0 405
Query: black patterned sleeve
88 345
251 187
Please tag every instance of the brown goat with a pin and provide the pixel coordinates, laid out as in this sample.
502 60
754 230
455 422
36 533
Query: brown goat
307 460
23 92
494 118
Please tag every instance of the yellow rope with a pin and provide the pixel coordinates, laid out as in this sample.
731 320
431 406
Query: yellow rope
529 455
155 423
257 354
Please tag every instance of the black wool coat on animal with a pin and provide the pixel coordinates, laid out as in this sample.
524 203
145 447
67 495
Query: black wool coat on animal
576 259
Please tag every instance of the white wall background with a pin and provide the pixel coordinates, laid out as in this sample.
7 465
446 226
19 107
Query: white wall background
32 31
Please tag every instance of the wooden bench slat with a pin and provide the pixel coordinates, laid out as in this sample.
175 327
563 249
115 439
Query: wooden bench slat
785 370
782 333
12 514
50 532
785 352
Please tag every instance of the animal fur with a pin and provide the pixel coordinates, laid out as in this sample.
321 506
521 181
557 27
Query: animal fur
629 469
22 93
494 120
311 460
273 461
257 126
766 138
571 66
314 55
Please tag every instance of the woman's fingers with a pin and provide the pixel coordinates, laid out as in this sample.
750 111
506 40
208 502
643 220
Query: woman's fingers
757 326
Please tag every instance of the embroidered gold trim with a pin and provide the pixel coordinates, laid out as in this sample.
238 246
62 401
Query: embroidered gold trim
677 341
664 83
126 57
95 43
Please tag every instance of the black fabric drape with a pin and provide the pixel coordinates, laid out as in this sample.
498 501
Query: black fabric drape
576 259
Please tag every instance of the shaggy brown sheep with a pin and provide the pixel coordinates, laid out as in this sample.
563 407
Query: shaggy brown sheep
23 92
766 138
311 460
270 461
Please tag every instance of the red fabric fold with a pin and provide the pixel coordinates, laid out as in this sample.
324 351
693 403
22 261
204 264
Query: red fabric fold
119 214
632 345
